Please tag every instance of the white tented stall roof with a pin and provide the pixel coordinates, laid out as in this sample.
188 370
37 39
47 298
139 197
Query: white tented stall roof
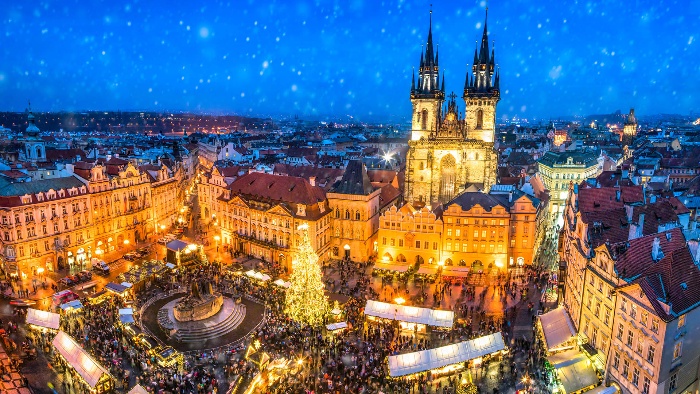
126 311
574 370
410 314
43 318
556 327
282 283
89 369
138 389
336 326
426 360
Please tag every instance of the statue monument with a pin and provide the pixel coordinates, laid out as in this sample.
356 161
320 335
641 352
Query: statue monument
198 304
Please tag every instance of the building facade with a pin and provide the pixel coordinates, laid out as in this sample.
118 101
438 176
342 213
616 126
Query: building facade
446 152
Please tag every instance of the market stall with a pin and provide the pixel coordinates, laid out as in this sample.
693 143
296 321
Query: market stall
282 283
138 389
557 329
140 276
574 373
333 327
445 359
95 377
43 319
257 275
126 315
72 306
391 267
116 288
410 317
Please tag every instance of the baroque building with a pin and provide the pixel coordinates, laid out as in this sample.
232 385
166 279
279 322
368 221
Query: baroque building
447 151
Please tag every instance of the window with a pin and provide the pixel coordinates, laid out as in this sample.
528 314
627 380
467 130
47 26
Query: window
589 304
384 242
623 307
616 360
426 244
650 354
633 312
476 233
46 246
639 347
458 232
673 382
655 325
449 246
392 242
483 233
512 243
644 318
625 368
449 232
678 350
681 321
635 377
464 247
434 246
606 319
645 387
400 242
630 338
524 243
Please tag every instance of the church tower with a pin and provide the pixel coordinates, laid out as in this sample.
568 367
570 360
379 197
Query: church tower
481 92
427 96
34 147
449 153
629 130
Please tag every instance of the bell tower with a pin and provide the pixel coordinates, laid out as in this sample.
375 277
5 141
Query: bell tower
481 92
427 95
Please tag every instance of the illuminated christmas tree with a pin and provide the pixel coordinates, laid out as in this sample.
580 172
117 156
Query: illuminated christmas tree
305 302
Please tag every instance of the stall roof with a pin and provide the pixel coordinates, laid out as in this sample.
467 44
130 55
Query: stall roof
426 360
461 272
282 283
169 265
127 285
89 369
176 245
337 326
557 327
76 304
258 275
126 311
87 285
427 270
574 370
126 319
138 389
43 319
115 287
410 314
391 267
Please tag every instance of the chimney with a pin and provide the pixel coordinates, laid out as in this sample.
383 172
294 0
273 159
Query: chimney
617 195
656 252
312 180
629 210
694 250
668 236
510 196
640 222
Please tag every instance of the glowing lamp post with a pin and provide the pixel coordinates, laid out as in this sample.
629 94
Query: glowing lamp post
217 239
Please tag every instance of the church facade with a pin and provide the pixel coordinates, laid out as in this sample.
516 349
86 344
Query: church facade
450 151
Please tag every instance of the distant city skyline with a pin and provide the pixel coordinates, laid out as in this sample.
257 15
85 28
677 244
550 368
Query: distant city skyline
354 58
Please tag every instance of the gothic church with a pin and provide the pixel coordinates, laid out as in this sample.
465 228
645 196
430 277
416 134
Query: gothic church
449 152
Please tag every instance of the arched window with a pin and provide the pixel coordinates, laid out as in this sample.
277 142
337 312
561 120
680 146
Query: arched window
357 215
347 214
424 120
337 213
479 119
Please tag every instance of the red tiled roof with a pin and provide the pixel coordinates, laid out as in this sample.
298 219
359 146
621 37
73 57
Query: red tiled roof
633 257
278 188
605 198
388 195
64 154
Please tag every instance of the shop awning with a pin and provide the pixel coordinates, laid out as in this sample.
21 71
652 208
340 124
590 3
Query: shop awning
115 288
282 283
72 305
461 272
138 389
258 275
410 314
127 285
574 370
43 319
336 326
391 267
89 369
176 245
603 390
426 360
556 327
427 270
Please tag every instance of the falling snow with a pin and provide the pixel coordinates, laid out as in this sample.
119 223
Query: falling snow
304 57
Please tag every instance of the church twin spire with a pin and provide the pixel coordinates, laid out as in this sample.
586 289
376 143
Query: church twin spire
429 71
481 79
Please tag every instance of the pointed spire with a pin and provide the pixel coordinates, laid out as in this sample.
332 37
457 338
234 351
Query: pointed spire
421 58
429 58
476 56
443 82
413 80
498 78
493 53
437 54
484 51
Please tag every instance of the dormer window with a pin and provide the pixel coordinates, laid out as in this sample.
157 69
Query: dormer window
301 210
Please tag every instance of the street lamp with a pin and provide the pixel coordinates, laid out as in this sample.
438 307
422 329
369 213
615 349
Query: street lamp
217 239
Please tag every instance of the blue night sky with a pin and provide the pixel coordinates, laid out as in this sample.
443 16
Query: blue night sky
345 57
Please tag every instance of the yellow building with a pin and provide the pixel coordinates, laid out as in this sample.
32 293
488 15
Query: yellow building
558 170
446 152
409 236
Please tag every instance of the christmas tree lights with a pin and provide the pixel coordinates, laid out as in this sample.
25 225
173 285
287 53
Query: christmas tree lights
305 302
